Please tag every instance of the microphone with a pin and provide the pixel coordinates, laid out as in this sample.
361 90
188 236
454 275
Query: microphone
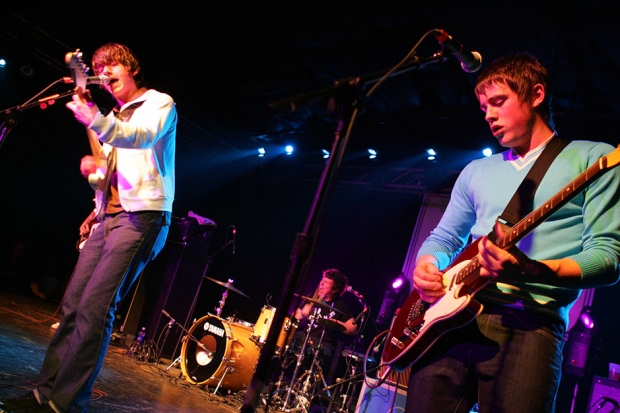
234 239
90 80
351 290
470 61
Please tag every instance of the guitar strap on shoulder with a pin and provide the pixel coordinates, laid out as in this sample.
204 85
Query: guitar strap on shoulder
521 202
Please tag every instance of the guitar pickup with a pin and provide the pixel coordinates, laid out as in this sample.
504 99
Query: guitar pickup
397 343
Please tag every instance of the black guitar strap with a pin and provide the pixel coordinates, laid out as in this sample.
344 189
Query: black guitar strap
521 203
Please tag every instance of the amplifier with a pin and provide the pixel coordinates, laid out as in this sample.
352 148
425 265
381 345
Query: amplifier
386 398
604 395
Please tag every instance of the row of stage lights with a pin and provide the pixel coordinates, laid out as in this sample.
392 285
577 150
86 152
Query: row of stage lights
372 153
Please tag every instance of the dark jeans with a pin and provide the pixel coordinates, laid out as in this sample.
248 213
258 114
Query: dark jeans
506 360
110 262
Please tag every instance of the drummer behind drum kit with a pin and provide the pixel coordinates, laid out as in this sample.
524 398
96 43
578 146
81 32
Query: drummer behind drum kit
224 352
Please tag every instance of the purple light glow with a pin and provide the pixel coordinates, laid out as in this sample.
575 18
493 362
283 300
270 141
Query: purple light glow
587 321
397 283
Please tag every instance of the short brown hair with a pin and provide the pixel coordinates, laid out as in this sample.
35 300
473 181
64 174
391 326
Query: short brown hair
115 53
340 280
520 72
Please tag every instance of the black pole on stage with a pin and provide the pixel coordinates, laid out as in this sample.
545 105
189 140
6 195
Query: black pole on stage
347 93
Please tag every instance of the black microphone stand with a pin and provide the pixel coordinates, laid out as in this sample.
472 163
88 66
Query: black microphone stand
8 120
346 93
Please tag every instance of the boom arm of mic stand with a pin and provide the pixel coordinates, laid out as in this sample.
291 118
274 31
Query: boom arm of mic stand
9 114
291 104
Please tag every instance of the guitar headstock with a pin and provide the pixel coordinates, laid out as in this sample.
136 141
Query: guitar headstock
79 71
613 159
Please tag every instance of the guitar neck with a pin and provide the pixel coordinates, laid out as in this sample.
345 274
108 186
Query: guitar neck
95 146
538 216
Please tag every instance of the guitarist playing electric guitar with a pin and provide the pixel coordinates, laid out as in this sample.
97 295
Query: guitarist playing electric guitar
488 326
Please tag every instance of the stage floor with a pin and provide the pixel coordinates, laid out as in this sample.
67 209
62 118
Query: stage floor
125 384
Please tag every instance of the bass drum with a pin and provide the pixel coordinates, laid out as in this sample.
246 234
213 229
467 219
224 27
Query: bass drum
228 358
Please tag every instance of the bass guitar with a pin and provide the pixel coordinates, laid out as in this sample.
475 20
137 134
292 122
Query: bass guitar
418 324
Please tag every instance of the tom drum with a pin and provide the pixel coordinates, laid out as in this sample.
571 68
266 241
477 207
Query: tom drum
263 324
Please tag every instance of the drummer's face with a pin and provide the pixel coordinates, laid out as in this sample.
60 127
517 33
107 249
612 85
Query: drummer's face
326 289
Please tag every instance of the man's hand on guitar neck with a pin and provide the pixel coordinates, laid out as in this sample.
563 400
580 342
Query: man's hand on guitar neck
83 107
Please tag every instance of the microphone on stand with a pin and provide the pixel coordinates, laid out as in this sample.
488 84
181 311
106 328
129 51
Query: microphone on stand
470 61
172 321
351 290
90 80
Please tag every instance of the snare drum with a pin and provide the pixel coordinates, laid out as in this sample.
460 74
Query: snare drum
262 326
228 358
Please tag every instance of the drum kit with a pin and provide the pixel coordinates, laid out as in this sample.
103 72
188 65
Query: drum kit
223 353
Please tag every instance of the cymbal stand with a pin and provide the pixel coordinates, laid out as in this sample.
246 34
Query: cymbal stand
218 310
300 358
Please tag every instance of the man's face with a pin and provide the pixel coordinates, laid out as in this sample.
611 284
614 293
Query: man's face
122 83
511 121
327 290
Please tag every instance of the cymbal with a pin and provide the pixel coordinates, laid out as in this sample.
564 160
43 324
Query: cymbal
331 324
321 304
227 285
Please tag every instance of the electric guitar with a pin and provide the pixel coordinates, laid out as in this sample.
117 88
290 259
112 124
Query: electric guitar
418 324
79 74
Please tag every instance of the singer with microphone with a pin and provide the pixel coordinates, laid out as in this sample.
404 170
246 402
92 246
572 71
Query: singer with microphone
504 352
327 304
138 192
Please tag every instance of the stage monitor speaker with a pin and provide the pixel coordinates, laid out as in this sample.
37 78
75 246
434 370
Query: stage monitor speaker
171 283
604 395
386 398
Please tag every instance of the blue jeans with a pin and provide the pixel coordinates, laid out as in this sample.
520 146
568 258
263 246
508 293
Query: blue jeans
110 262
506 360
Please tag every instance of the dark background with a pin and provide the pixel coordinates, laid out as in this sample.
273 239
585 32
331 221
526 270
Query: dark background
224 62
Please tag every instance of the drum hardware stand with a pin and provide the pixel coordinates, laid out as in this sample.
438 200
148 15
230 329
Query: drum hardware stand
347 395
230 369
304 397
219 309
300 358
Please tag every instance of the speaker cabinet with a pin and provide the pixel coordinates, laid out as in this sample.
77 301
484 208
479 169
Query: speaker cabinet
386 398
604 395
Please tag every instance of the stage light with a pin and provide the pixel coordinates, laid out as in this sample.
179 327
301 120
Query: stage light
487 152
397 283
372 154
586 318
431 154
325 153
2 63
289 149
261 152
